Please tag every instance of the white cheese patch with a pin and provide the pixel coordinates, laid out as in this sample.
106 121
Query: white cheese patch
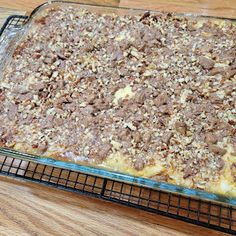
124 35
123 93
221 65
225 186
184 95
221 94
116 145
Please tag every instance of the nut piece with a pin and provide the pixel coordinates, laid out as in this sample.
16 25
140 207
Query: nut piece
206 63
221 164
217 150
181 127
188 172
104 150
211 138
139 164
161 99
137 137
166 137
43 146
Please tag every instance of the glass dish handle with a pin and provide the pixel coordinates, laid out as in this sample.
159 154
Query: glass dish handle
8 42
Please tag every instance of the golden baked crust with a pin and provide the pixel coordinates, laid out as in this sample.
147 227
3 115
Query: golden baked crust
152 95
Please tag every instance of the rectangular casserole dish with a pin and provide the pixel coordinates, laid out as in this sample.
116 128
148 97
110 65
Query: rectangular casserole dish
10 46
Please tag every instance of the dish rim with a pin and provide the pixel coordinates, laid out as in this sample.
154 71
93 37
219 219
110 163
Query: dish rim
96 171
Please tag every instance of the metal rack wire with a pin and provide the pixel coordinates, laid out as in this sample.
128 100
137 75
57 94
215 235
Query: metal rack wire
205 213
212 215
14 21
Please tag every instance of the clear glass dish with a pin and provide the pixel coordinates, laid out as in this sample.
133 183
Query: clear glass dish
7 45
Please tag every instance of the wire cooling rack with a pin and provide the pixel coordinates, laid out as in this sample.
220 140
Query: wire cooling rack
14 21
204 213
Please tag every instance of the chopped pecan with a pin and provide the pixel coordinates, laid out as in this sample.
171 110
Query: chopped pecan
188 172
206 63
217 150
211 138
41 20
43 146
166 137
38 86
140 97
145 15
221 163
139 164
147 137
161 99
103 150
181 127
165 110
137 137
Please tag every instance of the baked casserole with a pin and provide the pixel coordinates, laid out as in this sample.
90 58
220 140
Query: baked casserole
152 95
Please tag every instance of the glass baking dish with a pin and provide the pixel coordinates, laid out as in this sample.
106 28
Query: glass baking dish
8 42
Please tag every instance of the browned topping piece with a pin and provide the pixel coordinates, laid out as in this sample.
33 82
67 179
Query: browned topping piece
181 127
215 71
165 110
137 137
123 134
61 56
38 86
221 164
145 15
104 150
166 137
49 60
42 20
206 63
229 74
188 172
211 138
139 117
140 98
139 164
217 150
161 99
4 135
20 48
147 137
12 110
232 122
2 97
42 146
35 145
162 177
100 151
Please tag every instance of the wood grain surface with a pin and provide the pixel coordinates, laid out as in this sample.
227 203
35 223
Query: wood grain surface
32 209
224 8
5 12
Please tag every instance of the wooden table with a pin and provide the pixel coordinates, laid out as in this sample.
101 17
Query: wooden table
224 8
32 209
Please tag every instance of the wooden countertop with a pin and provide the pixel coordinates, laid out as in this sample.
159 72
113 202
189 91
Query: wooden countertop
32 209
223 8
